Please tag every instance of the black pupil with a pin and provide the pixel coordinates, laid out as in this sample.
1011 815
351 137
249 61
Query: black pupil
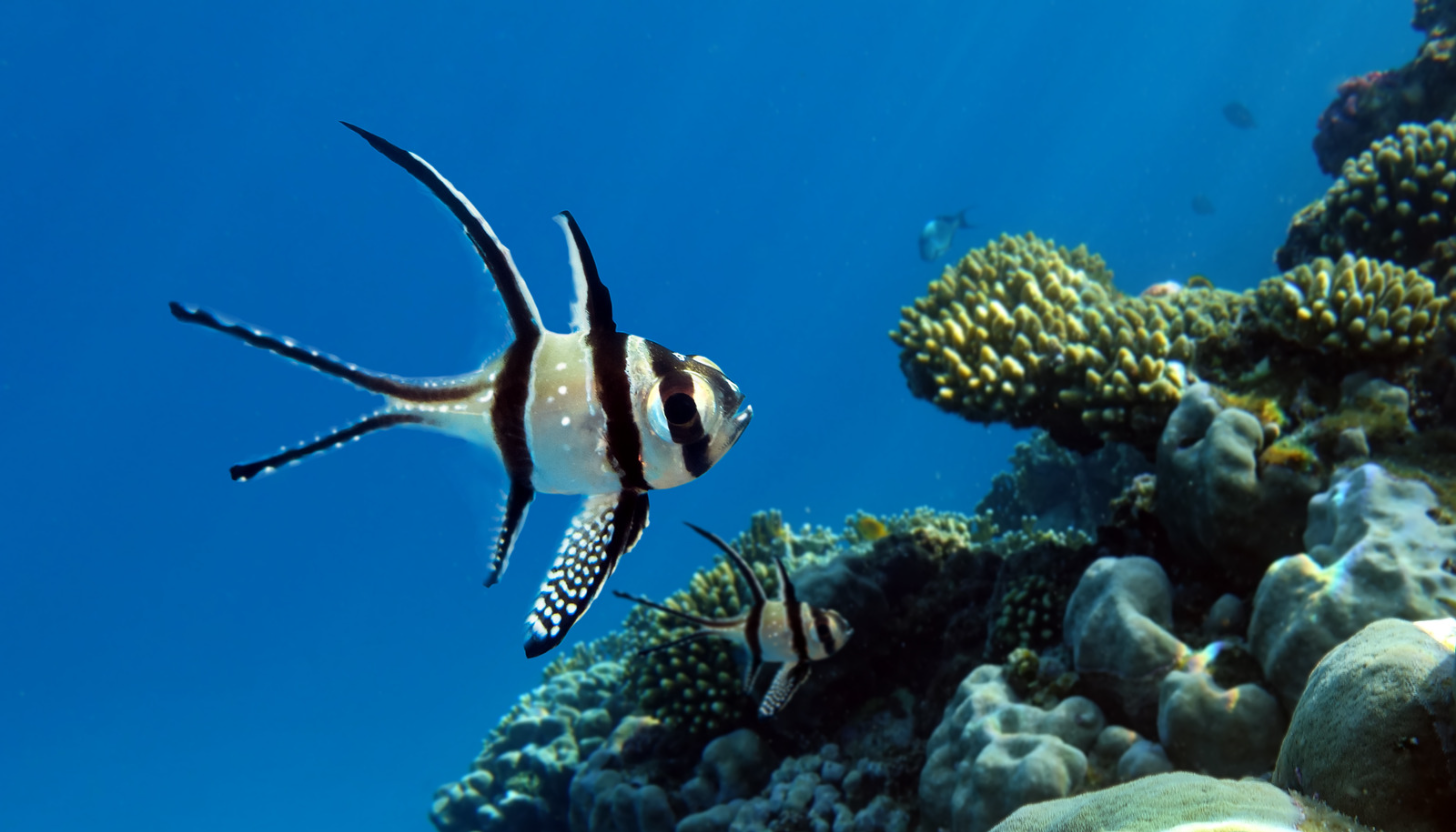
680 409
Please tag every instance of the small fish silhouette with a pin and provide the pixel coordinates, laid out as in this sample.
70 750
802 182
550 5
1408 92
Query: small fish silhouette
1239 116
936 236
1202 205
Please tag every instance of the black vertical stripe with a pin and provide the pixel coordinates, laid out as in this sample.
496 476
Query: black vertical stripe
696 457
794 614
614 389
508 411
380 421
822 630
753 637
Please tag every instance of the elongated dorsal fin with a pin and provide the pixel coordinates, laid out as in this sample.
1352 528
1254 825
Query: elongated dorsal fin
525 319
754 587
592 310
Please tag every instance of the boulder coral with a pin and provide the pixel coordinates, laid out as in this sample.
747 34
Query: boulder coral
1214 475
1206 727
1117 624
991 754
1384 698
1374 549
1181 801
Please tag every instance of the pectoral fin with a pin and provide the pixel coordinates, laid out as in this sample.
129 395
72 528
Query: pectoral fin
606 528
786 682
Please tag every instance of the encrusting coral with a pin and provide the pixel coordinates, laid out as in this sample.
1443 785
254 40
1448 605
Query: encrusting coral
1392 202
1030 333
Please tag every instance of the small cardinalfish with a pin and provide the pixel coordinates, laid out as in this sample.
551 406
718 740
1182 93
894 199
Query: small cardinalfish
783 630
595 412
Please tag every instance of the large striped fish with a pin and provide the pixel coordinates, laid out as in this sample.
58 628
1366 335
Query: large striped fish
784 629
594 411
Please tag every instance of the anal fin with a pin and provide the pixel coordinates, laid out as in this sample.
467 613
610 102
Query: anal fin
786 683
607 527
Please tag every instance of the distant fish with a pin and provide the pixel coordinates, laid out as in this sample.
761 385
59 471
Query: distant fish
936 236
782 630
1202 205
1239 116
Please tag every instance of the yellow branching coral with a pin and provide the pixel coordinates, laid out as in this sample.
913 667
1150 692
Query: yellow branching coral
1392 202
1027 332
1353 307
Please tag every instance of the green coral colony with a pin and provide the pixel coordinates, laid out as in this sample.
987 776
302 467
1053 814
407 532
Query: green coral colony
1232 531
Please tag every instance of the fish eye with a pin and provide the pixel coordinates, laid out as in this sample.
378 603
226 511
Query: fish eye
680 409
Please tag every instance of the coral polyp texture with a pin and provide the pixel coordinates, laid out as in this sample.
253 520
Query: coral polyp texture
1392 202
1356 306
1030 333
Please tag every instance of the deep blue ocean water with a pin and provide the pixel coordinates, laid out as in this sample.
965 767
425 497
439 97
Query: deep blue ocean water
313 650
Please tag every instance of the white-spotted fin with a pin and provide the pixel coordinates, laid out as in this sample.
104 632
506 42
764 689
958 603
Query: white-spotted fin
783 629
595 412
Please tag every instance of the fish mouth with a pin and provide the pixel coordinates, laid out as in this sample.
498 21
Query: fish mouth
739 423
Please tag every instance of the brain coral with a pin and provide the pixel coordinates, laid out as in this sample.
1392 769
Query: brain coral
1027 332
1354 307
1392 202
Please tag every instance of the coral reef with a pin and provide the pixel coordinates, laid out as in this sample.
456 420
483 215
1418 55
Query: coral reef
991 754
1052 489
1209 728
1117 624
1181 801
1215 470
1385 698
1375 104
1355 307
1206 708
521 778
1027 332
1390 203
1373 550
820 791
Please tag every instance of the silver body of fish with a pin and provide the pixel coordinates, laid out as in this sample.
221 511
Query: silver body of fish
594 411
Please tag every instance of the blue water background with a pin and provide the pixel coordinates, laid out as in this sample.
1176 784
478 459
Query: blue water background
314 650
